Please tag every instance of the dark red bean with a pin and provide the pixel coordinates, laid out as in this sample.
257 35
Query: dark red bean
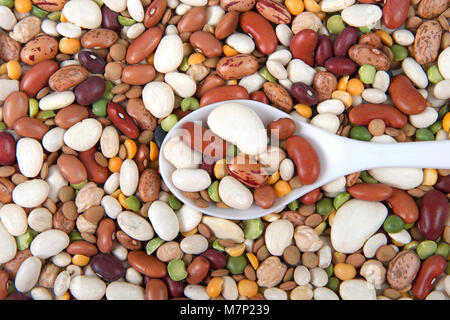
90 90
324 50
311 197
208 165
18 296
433 214
443 184
259 96
122 120
431 268
110 19
107 266
91 61
344 41
304 94
216 259
7 149
340 66
175 288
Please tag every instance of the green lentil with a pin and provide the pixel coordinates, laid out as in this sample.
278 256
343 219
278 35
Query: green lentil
133 203
267 75
434 76
24 240
54 16
393 224
174 203
333 284
435 127
367 73
177 270
2 125
294 205
184 64
75 236
424 134
108 95
360 133
216 245
340 199
33 107
80 185
7 3
38 12
329 270
153 245
443 249
169 122
426 249
253 229
99 107
47 114
442 111
335 24
124 21
367 178
190 104
324 206
236 265
213 191
400 52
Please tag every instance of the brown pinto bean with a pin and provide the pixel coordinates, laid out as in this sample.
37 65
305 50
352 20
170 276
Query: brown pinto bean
370 191
15 107
99 38
197 270
362 114
139 74
122 120
237 66
278 95
405 96
143 45
282 128
68 116
431 268
366 54
274 11
67 78
252 174
43 47
231 92
305 158
4 285
404 206
82 247
403 269
30 127
105 235
204 42
429 9
264 196
324 50
149 184
144 119
324 83
344 41
261 30
36 78
71 168
95 172
203 140
193 20
433 214
210 82
303 45
9 48
241 6
107 266
311 197
427 42
227 25
371 39
147 265
154 13
340 66
156 289
128 242
395 13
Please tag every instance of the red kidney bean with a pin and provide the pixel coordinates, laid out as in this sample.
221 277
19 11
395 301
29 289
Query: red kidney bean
324 50
370 191
341 66
92 61
7 149
110 19
203 140
174 288
443 184
231 92
405 96
107 266
122 120
95 172
105 235
305 158
259 96
37 77
303 45
217 260
395 13
197 270
433 214
344 41
431 268
4 284
362 114
304 94
208 166
156 289
311 197
142 158
261 30
404 206
206 43
90 90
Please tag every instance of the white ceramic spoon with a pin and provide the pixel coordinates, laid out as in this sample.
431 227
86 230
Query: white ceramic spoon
339 156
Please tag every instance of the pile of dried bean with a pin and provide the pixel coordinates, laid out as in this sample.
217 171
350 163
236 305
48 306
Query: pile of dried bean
89 89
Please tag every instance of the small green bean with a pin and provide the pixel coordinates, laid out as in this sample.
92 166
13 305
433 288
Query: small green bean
435 127
184 64
294 205
177 270
7 3
426 249
99 3
443 111
411 246
236 265
324 206
434 76
54 16
174 203
333 284
232 150
47 114
329 270
153 245
360 133
99 107
400 52
2 125
393 224
213 191
424 134
133 203
216 245
169 122
443 249
108 95
253 229
335 24
267 75
124 21
367 73
340 199
367 178
24 240
33 107
38 12
78 186
190 103
75 236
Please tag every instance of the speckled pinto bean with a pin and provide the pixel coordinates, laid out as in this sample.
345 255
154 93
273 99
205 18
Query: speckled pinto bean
261 30
403 205
303 45
362 114
223 93
433 214
305 158
236 67
431 268
405 96
324 50
370 191
105 235
203 140
36 78
122 120
395 13
95 172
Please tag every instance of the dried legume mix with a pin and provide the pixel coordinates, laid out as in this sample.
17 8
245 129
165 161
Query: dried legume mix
90 88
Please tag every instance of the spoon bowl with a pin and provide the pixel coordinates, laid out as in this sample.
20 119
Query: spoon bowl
339 156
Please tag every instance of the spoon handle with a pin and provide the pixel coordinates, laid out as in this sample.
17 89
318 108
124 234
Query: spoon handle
424 154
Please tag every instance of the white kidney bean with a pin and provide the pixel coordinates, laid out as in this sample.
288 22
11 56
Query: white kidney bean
163 220
334 106
196 292
275 294
14 219
76 138
442 90
40 219
49 27
62 283
158 96
112 206
373 243
327 121
214 14
382 80
8 246
444 63
278 236
7 18
134 225
234 194
252 82
180 155
168 54
240 42
136 10
134 31
31 193
133 276
129 177
112 183
319 277
415 72
424 119
40 293
194 244
188 218
30 156
403 37
62 259
28 274
335 5
361 15
69 30
287 169
277 69
373 95
87 288
109 142
120 290
183 85
299 71
302 276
